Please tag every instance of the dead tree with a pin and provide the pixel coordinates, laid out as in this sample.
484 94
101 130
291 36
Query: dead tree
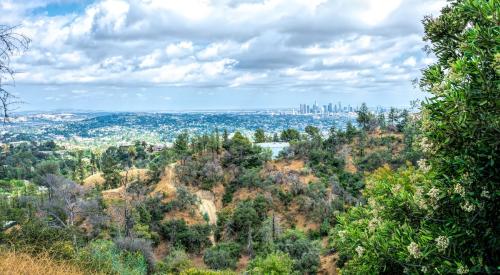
11 43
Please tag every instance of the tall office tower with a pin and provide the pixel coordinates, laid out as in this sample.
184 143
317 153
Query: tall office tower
308 109
340 107
330 107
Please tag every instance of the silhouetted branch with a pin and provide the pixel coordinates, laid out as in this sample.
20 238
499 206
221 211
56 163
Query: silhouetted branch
11 43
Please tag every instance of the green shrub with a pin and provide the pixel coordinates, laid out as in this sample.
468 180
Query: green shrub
304 252
193 238
195 271
442 218
176 261
222 256
276 263
102 256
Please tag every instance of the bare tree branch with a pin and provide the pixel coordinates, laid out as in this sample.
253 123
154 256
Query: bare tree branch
11 43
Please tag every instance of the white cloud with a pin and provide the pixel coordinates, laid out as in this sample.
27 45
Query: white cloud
410 61
225 43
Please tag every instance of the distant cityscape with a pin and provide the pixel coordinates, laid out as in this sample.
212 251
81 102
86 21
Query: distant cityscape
330 109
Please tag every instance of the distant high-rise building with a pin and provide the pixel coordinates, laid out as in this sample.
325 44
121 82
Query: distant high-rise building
330 107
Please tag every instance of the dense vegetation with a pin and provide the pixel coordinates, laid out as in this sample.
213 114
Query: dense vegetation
443 216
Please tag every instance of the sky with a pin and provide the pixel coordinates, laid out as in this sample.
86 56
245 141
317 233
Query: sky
148 55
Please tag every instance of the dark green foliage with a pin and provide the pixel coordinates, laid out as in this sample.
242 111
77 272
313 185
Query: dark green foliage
200 171
222 256
111 167
365 118
184 199
290 135
442 218
192 238
241 153
158 163
259 136
304 253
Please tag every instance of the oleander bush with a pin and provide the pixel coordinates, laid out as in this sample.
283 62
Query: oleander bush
442 217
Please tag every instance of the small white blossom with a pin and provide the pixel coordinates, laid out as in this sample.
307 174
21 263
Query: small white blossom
342 235
424 269
419 199
462 270
423 165
485 194
433 193
468 206
414 250
459 189
395 189
360 250
426 145
442 243
372 225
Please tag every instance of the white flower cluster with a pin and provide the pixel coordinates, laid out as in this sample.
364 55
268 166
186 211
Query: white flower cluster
423 165
462 270
442 243
419 198
426 145
395 189
468 206
360 250
414 250
424 269
485 194
433 194
459 189
373 224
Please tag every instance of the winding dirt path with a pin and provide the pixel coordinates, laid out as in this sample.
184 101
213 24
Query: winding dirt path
207 205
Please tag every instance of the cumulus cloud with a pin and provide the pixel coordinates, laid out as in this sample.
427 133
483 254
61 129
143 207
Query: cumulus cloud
355 44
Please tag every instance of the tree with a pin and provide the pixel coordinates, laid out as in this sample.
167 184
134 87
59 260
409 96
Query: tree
403 120
67 203
11 43
259 136
350 131
364 117
393 117
381 121
111 168
290 135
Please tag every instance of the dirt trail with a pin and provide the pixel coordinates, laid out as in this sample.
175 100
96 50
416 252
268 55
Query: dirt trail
345 151
166 183
207 205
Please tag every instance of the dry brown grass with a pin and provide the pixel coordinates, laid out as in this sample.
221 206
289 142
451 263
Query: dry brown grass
97 179
17 263
294 165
